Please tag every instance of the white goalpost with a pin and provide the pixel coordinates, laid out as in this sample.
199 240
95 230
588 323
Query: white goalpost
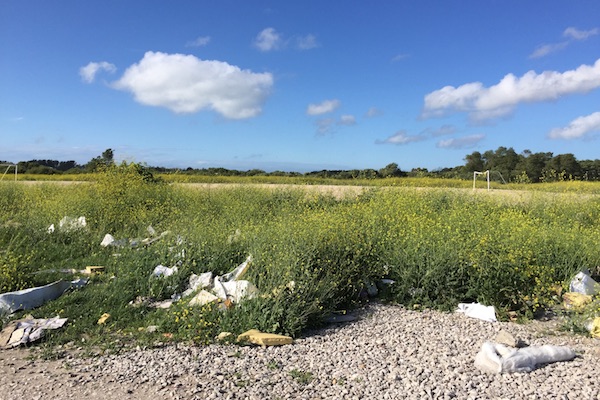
487 175
8 166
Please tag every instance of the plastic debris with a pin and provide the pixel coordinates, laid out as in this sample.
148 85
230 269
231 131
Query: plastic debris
594 328
28 299
161 270
340 318
68 224
479 311
202 297
576 300
109 240
103 318
497 358
198 282
223 335
255 336
27 330
584 284
507 339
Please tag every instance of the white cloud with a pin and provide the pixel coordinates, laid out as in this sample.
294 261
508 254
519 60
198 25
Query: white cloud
571 34
498 100
198 42
307 42
460 143
324 107
268 39
546 49
347 120
88 73
186 84
401 138
373 112
325 125
400 57
441 131
576 34
578 128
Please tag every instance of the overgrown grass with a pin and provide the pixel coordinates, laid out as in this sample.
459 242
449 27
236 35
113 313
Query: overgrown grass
312 253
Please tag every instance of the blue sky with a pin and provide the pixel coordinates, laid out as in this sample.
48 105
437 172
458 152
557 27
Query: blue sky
297 86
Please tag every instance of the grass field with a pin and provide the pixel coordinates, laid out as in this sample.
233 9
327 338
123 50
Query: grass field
513 249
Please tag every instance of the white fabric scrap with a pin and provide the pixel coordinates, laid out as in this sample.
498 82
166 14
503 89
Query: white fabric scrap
28 299
28 330
161 270
479 311
497 358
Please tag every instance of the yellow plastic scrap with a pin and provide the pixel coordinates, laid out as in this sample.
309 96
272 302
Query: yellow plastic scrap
595 331
94 269
103 318
576 300
255 336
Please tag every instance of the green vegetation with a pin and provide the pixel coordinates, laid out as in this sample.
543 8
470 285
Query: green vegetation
514 250
505 165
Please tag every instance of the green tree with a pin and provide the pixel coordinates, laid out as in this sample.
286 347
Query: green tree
103 161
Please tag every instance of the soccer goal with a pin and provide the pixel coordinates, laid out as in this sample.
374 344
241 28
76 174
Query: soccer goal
487 176
8 167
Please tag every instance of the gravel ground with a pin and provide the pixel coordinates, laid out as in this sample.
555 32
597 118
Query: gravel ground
388 353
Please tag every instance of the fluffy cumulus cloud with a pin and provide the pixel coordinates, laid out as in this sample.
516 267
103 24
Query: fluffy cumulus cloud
483 103
268 39
464 142
401 138
186 84
88 73
578 128
324 107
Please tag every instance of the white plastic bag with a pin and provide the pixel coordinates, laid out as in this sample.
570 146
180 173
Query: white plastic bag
583 283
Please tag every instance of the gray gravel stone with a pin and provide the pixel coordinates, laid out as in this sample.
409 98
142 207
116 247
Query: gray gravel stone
389 352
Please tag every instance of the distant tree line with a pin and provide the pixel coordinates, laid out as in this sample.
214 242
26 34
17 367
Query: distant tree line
503 163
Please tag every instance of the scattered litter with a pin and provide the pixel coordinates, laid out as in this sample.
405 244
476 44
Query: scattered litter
234 237
69 224
594 327
479 311
576 300
255 336
202 297
103 318
584 284
151 329
94 269
497 358
28 299
161 270
109 240
507 339
198 282
223 335
238 272
27 330
162 304
371 288
340 319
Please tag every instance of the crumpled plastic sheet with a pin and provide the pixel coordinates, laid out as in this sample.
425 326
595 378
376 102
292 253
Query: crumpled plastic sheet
28 299
27 330
477 310
497 358
584 284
